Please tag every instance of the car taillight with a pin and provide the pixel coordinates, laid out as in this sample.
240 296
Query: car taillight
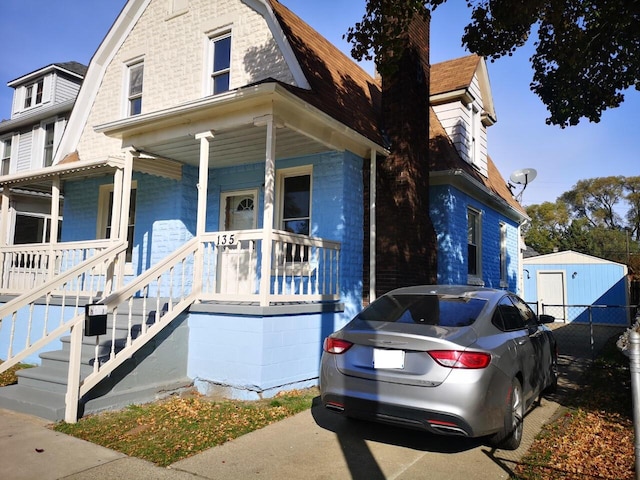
336 345
458 359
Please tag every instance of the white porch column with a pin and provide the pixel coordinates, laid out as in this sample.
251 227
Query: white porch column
4 232
203 180
5 220
372 227
55 216
127 179
267 217
201 222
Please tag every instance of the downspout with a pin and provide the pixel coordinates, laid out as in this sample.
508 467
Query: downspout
372 226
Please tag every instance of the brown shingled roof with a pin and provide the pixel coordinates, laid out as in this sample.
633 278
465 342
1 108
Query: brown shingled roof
342 89
339 87
454 74
444 156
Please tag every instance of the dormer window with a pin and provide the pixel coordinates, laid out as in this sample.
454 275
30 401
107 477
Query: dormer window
220 57
134 98
33 94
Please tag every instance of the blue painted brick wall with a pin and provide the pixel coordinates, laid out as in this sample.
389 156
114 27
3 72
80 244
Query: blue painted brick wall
449 215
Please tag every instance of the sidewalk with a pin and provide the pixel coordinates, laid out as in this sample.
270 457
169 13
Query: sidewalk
315 444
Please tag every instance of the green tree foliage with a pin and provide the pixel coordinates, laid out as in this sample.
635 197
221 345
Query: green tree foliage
585 219
587 52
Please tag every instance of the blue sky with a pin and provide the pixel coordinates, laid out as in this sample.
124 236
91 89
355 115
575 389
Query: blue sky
35 33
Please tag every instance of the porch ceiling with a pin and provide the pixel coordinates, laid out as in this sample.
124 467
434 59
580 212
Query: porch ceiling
245 144
237 120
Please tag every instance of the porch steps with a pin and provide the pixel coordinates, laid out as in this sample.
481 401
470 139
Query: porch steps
156 370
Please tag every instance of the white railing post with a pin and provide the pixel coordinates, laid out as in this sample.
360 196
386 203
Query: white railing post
268 215
127 179
73 379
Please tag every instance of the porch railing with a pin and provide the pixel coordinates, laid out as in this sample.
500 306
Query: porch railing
41 315
27 266
301 268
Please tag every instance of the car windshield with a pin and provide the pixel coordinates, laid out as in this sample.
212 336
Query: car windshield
441 310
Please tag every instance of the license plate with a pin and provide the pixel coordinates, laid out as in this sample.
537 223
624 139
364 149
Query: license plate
388 358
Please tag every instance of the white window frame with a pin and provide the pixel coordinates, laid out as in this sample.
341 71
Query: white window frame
46 224
43 130
211 74
281 175
33 99
504 279
104 211
5 161
128 96
474 140
475 278
177 7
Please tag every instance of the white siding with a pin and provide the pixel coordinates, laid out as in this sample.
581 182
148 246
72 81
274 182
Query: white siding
65 89
174 50
456 118
25 147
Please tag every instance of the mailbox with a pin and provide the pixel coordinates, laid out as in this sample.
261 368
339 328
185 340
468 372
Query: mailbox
95 320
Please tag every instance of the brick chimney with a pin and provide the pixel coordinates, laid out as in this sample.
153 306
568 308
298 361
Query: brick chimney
406 241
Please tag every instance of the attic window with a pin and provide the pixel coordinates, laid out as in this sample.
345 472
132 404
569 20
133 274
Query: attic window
220 57
33 94
136 74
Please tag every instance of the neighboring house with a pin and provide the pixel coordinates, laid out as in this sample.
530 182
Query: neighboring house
214 172
563 284
42 103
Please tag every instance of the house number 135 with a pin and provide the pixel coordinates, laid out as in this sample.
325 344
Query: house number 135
226 239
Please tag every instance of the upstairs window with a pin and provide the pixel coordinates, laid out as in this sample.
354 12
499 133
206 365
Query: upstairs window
33 94
5 156
474 254
220 63
49 130
134 99
474 148
503 255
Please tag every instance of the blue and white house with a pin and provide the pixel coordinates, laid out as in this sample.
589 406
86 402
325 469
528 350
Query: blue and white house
214 206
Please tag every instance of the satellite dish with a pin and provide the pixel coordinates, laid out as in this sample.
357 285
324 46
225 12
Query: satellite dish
524 176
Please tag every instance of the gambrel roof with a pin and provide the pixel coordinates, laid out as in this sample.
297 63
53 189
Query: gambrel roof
328 80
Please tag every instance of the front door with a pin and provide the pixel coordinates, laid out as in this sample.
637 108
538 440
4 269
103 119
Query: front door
237 262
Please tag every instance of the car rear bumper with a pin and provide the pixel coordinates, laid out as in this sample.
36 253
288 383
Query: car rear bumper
455 407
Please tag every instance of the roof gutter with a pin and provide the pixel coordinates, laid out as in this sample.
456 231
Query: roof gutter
466 183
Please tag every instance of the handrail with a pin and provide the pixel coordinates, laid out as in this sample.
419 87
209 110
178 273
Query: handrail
139 288
11 308
60 279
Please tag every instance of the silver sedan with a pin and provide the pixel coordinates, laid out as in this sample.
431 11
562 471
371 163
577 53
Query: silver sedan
455 360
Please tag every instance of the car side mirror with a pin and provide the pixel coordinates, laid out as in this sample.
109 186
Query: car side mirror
546 318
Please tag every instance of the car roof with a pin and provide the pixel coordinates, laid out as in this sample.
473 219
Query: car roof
458 290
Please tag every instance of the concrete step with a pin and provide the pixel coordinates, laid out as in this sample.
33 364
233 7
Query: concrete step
156 370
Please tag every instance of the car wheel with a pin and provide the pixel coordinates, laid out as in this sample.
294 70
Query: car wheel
510 436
